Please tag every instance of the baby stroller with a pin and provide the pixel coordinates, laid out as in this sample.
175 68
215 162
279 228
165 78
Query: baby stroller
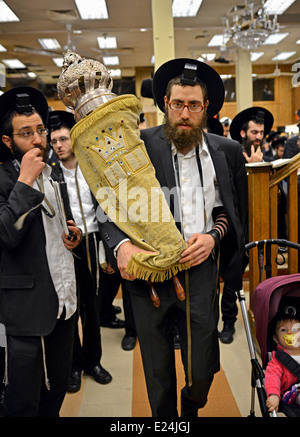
267 300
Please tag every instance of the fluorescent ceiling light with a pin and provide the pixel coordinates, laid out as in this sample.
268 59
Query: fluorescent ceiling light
275 38
185 8
110 60
277 7
58 61
6 14
107 42
298 42
208 56
92 9
255 55
49 43
115 73
2 48
13 63
218 40
31 74
283 56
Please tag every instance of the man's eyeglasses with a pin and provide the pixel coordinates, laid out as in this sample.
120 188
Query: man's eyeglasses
60 139
192 107
26 134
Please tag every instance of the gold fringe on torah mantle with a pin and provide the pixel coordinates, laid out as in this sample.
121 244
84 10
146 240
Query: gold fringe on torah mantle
117 168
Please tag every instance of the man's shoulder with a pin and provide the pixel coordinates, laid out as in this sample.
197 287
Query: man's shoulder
152 132
222 143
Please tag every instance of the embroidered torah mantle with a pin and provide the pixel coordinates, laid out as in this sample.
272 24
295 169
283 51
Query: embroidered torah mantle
117 168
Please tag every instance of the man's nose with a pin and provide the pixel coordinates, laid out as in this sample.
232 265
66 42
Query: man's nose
185 113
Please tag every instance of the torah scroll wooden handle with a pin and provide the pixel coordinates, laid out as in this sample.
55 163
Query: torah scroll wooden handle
154 296
178 288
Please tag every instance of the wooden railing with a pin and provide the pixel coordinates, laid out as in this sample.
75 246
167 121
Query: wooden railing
263 182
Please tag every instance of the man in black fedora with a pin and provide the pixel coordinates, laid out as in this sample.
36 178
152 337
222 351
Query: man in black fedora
249 127
37 276
87 349
209 207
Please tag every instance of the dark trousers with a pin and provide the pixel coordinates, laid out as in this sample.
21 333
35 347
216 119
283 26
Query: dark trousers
87 354
27 394
229 307
109 286
155 329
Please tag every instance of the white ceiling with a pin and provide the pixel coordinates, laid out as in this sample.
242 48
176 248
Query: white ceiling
45 18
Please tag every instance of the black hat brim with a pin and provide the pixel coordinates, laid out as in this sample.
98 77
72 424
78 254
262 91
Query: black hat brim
214 126
248 114
174 68
8 103
63 116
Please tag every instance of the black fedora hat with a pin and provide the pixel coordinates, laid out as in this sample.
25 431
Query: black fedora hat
255 113
214 126
176 67
21 98
56 118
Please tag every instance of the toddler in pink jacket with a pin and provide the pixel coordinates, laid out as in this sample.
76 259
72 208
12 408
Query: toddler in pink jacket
278 379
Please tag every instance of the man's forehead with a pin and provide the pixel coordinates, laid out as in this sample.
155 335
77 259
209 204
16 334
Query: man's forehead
22 121
193 92
62 131
253 125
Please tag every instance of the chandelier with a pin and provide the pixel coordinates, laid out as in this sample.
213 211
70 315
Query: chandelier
251 26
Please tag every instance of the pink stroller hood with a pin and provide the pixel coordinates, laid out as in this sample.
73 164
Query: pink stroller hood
265 301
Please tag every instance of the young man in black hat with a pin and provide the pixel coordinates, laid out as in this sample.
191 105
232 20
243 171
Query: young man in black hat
249 128
211 183
37 276
87 354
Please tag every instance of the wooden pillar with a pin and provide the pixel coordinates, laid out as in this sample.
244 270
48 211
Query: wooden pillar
163 36
243 80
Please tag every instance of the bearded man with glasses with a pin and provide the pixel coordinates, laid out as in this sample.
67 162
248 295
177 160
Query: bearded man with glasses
37 275
210 209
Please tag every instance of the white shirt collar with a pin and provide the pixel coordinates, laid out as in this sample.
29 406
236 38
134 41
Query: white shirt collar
203 147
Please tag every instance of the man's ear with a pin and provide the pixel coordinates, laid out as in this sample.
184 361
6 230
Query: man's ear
7 141
166 102
242 133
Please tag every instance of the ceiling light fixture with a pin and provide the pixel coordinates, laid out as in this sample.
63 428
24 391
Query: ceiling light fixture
92 9
13 64
6 14
185 8
49 43
254 56
283 56
251 25
111 60
107 42
277 7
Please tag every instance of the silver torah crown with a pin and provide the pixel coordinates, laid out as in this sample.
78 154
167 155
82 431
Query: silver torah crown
84 84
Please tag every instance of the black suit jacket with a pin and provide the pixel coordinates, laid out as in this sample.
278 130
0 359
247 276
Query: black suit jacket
230 171
28 300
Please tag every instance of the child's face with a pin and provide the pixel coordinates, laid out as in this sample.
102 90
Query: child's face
287 334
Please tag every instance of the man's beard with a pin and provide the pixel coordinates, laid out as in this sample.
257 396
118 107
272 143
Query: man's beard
183 139
246 145
18 154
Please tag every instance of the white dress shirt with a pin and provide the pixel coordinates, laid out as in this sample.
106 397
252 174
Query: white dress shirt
193 197
86 199
60 260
